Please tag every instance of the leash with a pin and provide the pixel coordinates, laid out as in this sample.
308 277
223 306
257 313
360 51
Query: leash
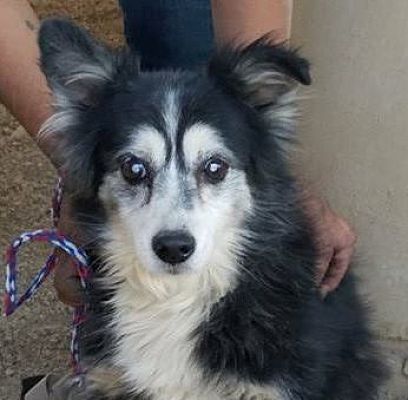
55 238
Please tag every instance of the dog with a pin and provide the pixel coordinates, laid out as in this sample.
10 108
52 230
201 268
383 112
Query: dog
203 259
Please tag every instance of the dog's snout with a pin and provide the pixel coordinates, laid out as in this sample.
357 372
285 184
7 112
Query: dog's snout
173 247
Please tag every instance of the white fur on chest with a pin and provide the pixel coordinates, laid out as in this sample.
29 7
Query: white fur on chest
156 342
156 345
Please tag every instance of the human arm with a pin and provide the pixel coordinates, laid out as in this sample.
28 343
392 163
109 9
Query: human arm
23 88
243 21
24 91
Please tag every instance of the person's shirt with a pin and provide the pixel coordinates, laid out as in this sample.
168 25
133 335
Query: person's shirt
169 33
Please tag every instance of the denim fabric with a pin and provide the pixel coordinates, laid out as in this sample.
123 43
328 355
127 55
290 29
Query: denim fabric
169 33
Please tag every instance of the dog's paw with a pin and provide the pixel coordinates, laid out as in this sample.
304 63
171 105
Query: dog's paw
97 384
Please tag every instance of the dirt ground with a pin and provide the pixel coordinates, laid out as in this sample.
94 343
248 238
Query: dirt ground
35 340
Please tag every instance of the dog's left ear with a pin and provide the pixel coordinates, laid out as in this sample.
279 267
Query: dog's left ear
265 76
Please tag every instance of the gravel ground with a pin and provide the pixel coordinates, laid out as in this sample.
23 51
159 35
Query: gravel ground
35 340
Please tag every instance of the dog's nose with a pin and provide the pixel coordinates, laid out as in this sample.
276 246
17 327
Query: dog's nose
173 247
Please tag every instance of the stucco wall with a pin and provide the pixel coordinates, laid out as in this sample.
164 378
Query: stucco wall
355 142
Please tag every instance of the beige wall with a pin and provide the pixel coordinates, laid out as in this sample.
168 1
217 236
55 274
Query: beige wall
355 138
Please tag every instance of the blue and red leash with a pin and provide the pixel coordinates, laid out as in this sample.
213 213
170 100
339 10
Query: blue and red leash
12 300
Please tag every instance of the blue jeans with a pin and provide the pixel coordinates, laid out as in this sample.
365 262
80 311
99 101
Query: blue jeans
169 33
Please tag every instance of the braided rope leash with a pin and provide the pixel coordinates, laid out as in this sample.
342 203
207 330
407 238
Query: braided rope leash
11 299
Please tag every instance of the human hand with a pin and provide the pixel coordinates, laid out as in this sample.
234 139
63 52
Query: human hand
335 240
66 278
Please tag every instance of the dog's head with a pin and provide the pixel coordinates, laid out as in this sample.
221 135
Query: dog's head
172 158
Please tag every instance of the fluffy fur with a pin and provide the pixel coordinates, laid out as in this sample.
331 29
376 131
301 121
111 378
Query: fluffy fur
241 318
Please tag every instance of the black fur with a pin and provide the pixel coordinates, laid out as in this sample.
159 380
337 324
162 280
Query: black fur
273 326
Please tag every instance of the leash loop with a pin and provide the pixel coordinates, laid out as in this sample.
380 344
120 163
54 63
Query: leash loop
12 301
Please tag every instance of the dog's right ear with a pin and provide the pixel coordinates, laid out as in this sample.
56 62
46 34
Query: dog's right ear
77 69
76 66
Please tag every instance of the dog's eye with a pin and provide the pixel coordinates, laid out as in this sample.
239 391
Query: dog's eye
134 169
215 170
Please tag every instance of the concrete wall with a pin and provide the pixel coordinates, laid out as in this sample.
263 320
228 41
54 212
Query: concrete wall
355 142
